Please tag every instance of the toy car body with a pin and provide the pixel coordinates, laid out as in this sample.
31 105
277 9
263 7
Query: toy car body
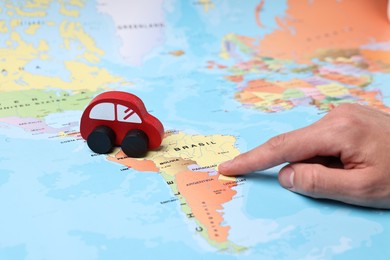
117 118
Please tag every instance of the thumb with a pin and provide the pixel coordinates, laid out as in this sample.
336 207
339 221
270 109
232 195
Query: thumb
318 181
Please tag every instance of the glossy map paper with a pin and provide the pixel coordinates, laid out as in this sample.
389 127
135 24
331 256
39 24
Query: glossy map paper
223 77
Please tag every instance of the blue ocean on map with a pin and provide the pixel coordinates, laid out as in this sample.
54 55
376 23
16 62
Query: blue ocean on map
61 201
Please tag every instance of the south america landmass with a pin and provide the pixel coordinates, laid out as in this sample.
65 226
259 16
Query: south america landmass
188 163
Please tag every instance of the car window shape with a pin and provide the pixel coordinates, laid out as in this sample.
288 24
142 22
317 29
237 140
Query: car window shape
103 111
126 114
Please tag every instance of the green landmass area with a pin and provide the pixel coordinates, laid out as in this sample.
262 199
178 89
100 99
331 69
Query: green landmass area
40 103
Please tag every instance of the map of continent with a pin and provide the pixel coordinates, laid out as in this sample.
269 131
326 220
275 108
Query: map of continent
334 56
188 165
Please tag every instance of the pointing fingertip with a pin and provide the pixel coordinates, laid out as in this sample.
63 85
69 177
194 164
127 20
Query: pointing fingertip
224 167
286 177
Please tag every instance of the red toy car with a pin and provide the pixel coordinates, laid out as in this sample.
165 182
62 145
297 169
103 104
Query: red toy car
117 118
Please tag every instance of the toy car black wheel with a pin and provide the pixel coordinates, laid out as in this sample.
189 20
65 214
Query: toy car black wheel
135 143
101 140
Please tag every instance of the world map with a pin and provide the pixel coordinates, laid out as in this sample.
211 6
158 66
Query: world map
223 77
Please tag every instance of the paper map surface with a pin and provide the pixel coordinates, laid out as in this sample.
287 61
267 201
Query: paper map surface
223 77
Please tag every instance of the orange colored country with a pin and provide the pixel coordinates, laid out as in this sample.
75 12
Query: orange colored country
293 83
376 55
312 25
205 195
235 78
177 53
247 97
347 79
259 85
137 164
371 98
257 13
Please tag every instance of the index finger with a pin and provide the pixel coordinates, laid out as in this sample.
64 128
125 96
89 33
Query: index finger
302 144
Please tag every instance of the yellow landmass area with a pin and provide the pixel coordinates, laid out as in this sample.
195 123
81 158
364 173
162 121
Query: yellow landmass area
23 13
333 90
267 105
178 150
43 4
82 77
264 103
73 32
224 54
43 46
19 53
205 150
15 22
70 12
79 3
32 29
226 178
268 97
207 5
244 43
3 27
91 77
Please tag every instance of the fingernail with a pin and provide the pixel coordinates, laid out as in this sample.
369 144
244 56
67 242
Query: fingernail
286 177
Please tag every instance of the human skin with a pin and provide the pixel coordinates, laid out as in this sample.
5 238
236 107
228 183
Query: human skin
344 156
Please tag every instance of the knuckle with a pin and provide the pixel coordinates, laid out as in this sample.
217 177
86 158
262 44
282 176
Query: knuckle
346 108
277 141
350 120
346 119
343 110
346 127
309 182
